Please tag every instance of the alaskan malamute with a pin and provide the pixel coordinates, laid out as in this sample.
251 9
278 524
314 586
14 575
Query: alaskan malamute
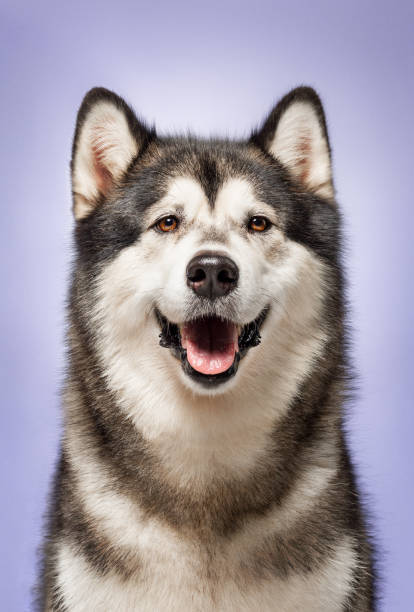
203 463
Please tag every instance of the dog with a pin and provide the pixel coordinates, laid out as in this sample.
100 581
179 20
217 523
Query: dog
203 461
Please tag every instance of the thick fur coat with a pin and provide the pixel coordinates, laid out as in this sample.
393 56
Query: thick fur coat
203 463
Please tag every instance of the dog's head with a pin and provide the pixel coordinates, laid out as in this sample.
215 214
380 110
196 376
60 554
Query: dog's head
203 260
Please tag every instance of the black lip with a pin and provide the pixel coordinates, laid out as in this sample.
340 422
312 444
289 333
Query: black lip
249 337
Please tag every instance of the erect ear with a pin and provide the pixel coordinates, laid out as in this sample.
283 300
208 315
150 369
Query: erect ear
108 137
295 134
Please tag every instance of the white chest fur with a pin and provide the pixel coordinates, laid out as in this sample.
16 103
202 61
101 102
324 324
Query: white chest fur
177 572
176 578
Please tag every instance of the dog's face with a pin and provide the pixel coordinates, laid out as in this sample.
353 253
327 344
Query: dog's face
193 253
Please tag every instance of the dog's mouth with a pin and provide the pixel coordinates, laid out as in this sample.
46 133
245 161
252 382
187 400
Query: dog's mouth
210 348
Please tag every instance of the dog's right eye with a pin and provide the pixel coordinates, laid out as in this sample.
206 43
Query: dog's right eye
167 224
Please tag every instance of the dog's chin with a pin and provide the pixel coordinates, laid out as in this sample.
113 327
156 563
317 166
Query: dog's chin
209 348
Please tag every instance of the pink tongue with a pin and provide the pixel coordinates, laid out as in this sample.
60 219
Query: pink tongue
211 344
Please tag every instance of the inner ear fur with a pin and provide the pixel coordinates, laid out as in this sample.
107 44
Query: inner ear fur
295 134
108 137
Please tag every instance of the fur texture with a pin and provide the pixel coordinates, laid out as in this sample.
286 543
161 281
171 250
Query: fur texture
178 490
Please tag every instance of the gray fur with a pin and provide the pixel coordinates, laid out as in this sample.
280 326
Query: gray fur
238 533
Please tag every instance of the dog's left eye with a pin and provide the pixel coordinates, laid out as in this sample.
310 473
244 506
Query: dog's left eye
167 224
258 224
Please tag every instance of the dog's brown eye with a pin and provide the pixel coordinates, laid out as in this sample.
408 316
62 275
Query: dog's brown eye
258 224
167 224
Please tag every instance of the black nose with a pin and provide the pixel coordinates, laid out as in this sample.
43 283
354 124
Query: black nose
212 274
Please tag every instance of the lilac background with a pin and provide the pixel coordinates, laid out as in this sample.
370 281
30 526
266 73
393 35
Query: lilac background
215 67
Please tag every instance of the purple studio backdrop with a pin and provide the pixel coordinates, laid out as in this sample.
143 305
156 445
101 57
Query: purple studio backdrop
215 68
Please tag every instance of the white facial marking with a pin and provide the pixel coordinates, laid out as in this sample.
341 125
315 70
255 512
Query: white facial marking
185 192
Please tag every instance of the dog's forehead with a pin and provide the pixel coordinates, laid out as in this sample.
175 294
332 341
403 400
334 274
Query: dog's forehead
236 197
233 198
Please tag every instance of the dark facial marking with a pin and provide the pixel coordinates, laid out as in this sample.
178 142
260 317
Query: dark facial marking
209 176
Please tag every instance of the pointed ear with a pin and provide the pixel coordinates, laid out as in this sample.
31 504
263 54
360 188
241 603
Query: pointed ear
295 134
108 137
